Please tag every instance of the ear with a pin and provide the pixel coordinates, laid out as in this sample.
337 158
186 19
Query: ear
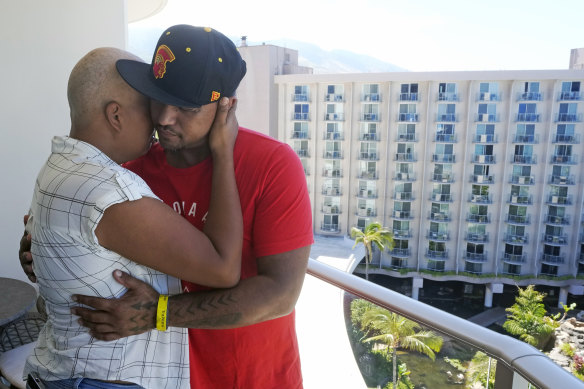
112 115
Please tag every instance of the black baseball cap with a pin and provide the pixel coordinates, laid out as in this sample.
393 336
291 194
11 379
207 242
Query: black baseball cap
192 66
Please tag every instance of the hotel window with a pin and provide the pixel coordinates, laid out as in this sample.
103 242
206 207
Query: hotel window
487 112
525 133
488 91
334 111
518 213
447 112
515 231
407 112
560 171
570 90
527 112
368 168
334 93
521 191
439 229
368 131
568 112
406 131
443 172
447 92
301 93
484 150
301 148
477 230
334 131
565 133
531 87
404 206
371 92
333 149
406 168
301 111
300 130
368 150
409 92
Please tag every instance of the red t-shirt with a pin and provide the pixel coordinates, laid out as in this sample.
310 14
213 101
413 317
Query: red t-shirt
276 218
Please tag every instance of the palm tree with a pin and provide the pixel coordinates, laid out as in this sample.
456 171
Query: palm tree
528 318
398 332
373 234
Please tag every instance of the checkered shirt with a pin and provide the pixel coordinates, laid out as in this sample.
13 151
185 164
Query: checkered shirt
73 189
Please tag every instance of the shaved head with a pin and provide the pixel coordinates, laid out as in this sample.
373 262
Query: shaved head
94 82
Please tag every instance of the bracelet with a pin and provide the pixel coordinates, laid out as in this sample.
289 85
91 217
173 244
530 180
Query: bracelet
161 312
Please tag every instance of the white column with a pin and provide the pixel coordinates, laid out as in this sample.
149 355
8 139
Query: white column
417 284
489 290
563 298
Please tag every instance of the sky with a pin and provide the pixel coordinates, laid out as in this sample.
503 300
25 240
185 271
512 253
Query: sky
418 35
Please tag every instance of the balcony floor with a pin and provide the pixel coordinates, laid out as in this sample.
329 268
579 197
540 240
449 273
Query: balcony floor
325 352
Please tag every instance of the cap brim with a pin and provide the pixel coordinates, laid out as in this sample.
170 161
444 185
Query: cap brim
139 76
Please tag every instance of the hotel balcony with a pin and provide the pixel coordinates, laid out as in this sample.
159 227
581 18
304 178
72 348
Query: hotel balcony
566 138
409 97
403 253
402 215
366 212
474 237
440 216
480 199
561 180
406 138
521 180
475 257
300 135
516 239
483 159
368 156
524 159
568 117
514 258
555 199
564 159
526 138
445 158
331 191
445 138
518 219
405 157
399 234
553 259
321 302
367 193
300 97
441 197
569 96
407 177
368 175
302 153
442 177
371 97
480 219
486 117
447 117
557 220
520 199
482 179
330 227
407 117
303 116
408 196
336 97
370 117
485 138
369 136
437 255
447 96
559 240
488 96
334 117
529 96
527 117
333 135
438 236
332 154
331 209
332 173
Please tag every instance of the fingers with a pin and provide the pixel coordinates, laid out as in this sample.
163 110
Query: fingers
25 219
97 303
128 281
25 258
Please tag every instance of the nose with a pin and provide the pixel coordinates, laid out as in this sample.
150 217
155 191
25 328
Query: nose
164 115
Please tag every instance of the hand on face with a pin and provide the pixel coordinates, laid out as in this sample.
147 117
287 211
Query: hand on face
224 129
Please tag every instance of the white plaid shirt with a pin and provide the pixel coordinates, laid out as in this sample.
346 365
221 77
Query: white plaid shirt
73 189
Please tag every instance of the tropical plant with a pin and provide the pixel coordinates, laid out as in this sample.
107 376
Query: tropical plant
528 320
480 371
398 332
374 234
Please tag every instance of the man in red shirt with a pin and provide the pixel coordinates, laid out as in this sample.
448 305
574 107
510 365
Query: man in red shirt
243 337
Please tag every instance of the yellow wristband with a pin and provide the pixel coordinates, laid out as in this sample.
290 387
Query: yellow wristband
161 312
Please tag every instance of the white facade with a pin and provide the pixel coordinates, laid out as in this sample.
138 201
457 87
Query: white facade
478 174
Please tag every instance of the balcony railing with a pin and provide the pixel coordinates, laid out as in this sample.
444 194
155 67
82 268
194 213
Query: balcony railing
338 97
407 117
446 117
366 212
370 117
526 138
555 199
561 180
408 177
398 252
407 215
300 135
529 96
481 158
566 138
368 175
409 196
480 199
555 239
559 220
332 173
441 197
522 180
300 116
527 117
569 96
369 136
475 218
447 96
409 97
300 97
564 159
371 97
334 116
553 259
402 233
486 117
408 137
436 254
331 209
368 156
405 157
440 216
524 159
514 258
482 179
488 96
446 138
520 199
331 191
516 239
568 117
447 158
518 219
477 237
303 153
440 236
332 154
485 138
330 227
367 193
444 177
333 135
476 257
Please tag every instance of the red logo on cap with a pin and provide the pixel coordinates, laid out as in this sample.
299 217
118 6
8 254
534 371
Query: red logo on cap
163 55
215 96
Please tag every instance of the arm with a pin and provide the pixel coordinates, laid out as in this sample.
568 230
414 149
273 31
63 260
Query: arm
149 232
24 254
271 294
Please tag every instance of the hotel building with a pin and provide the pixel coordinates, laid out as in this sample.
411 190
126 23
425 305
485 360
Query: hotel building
477 174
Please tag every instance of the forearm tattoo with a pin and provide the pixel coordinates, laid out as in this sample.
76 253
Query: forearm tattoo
206 311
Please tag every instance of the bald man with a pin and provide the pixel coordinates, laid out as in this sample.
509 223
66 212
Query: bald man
90 216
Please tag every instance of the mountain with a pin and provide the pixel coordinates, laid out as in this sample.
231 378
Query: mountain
141 41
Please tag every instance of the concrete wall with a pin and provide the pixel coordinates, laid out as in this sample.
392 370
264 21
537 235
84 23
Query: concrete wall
41 42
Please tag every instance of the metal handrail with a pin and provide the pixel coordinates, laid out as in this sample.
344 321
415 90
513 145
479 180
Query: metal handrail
514 356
